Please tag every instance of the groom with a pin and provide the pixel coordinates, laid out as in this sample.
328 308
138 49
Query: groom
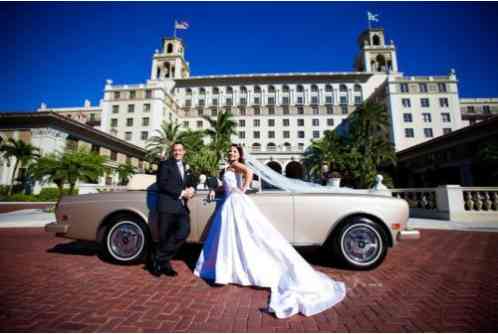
174 184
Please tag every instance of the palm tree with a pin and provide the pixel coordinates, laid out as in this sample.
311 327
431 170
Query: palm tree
69 167
160 144
125 171
22 152
220 131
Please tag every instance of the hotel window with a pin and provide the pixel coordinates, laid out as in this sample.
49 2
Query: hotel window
271 122
117 95
271 134
242 111
146 107
257 101
228 109
271 101
315 122
315 110
285 100
131 108
300 88
257 111
199 124
446 131
148 94
330 122
114 122
144 135
286 122
442 87
300 100
328 99
128 135
243 101
300 146
92 117
129 122
285 110
200 112
446 117
358 100
403 87
343 100
409 133
185 124
242 123
285 89
470 109
357 88
300 134
407 118
330 110
406 103
286 134
344 109
314 100
115 109
422 87
214 112
229 101
300 110
486 109
132 94
242 134
145 121
271 110
114 155
328 88
188 103
214 102
255 134
316 134
343 88
300 122
424 103
428 133
256 123
443 102
427 117
215 91
188 91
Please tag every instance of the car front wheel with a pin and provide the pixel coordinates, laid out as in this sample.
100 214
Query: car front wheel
126 240
360 243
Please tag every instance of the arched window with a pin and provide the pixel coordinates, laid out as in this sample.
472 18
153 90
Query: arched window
170 48
256 147
381 62
271 147
216 90
257 89
314 88
300 88
376 40
328 88
271 89
343 88
243 89
229 90
189 91
285 89
357 88
287 147
202 91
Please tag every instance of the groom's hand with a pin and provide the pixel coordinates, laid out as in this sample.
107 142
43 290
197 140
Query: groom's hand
188 193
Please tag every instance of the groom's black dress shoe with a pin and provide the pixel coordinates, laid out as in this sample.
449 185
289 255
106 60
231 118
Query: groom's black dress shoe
168 271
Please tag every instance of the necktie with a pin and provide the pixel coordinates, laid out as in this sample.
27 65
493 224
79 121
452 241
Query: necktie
180 167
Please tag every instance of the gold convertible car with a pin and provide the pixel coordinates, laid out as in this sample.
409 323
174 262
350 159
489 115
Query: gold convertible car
355 228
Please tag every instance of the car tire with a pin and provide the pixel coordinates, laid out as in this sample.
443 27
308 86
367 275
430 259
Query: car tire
126 240
360 243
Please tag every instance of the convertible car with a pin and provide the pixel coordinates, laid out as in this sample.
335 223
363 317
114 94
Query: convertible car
355 228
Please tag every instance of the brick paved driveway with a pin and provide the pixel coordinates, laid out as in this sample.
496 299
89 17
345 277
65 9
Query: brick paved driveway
447 281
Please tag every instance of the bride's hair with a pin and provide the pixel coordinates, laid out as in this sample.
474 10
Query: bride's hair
241 152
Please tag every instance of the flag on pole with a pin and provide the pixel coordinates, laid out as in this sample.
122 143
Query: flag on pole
182 25
372 17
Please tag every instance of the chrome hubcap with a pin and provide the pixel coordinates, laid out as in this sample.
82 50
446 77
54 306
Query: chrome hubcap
126 240
361 244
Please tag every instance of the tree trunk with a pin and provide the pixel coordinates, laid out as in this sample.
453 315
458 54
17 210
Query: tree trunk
13 176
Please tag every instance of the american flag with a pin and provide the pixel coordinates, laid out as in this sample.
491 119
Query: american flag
182 25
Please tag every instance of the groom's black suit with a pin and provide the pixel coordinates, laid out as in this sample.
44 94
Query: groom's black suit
174 219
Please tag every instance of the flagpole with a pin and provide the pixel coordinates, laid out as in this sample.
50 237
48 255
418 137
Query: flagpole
368 19
174 31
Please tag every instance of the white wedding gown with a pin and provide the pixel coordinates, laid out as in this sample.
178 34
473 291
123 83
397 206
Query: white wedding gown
244 248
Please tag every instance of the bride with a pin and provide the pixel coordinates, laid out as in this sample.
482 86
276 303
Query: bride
244 248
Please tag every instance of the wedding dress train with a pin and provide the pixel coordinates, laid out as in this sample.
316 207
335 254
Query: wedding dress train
244 248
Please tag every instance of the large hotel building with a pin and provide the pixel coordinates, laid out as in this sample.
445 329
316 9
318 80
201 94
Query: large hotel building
278 114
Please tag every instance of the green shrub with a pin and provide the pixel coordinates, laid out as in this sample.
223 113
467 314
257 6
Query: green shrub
21 198
52 194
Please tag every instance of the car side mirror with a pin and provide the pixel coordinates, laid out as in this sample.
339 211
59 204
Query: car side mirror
212 182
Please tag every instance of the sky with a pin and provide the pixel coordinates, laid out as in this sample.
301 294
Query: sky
62 53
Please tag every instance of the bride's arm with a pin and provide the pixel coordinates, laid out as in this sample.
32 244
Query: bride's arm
246 172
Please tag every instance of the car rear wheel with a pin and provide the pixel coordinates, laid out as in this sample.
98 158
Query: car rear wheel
126 240
360 243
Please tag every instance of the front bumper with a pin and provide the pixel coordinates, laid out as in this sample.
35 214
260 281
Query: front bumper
409 235
57 228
